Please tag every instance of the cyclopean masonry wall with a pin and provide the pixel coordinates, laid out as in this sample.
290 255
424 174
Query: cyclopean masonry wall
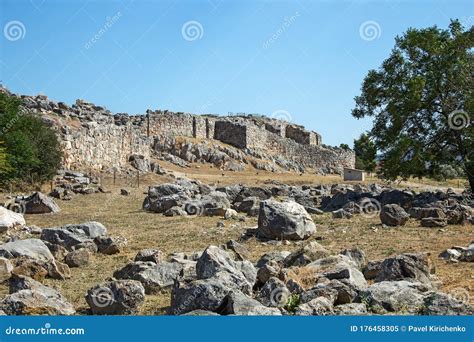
93 137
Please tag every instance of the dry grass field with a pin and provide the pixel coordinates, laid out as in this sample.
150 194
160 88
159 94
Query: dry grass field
122 215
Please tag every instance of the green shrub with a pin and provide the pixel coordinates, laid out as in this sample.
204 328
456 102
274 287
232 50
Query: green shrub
31 149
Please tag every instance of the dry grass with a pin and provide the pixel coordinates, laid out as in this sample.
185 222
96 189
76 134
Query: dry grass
123 217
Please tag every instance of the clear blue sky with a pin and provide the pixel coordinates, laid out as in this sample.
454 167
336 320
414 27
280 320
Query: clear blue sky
307 58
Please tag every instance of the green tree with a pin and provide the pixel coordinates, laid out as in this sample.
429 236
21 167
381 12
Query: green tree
421 99
32 148
4 165
344 147
365 152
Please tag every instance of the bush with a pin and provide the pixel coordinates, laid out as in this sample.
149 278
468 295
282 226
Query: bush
31 149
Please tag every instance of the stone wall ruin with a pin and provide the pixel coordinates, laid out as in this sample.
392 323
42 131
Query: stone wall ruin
93 137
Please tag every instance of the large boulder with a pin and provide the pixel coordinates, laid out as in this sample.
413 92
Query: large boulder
442 304
33 298
394 296
31 248
39 203
237 303
203 294
393 215
410 267
284 220
214 260
71 235
9 219
154 277
121 297
163 197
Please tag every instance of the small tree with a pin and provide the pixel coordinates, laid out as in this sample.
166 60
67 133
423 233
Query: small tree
32 148
421 99
344 147
365 152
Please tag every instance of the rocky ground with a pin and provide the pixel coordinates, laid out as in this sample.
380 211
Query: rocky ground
292 246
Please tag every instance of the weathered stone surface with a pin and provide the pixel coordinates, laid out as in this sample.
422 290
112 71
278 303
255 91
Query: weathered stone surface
39 203
9 219
394 296
215 259
373 267
204 294
410 267
308 253
319 306
357 255
284 220
320 290
277 256
107 245
393 215
249 205
154 277
32 298
341 213
6 269
72 234
77 258
121 297
352 309
437 303
450 254
149 254
240 251
434 222
31 268
31 248
274 293
267 271
237 303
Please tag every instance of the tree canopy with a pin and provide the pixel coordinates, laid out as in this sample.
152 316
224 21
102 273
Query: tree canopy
421 99
365 152
30 149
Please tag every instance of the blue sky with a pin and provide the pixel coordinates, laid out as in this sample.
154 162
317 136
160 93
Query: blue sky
300 60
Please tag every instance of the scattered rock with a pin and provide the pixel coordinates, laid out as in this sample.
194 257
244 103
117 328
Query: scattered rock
77 258
39 203
10 219
284 220
393 215
120 297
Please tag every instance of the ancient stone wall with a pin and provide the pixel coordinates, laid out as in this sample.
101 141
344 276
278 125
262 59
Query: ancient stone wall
232 133
325 159
93 137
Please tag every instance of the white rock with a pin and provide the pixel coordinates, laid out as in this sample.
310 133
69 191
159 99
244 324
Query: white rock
9 219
